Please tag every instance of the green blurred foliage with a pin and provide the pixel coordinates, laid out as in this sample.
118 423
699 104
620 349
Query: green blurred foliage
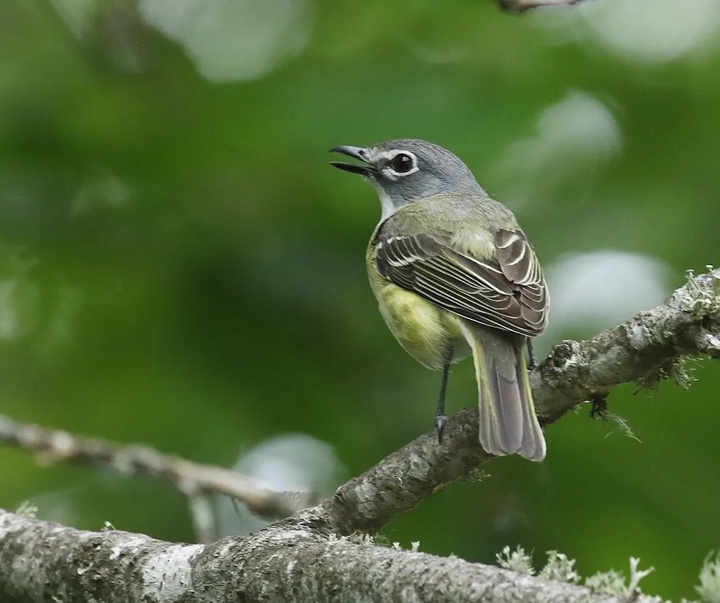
179 266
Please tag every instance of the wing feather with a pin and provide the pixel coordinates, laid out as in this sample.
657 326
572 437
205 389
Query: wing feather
507 292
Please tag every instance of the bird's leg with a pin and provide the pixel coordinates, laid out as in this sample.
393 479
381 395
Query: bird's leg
533 364
441 418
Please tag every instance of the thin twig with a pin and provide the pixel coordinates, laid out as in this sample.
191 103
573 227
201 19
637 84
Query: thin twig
519 6
192 479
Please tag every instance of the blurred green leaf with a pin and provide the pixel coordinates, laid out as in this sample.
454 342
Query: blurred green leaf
179 265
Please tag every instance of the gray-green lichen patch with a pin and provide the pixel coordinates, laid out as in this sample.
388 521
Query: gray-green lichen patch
703 293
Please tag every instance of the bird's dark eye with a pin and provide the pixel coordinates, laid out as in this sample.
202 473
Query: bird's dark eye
402 163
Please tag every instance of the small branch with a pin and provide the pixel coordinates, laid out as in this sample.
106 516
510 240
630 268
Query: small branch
644 349
289 561
203 518
407 476
194 480
299 558
520 6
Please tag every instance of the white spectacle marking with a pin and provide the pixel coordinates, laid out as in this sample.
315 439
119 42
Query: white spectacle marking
391 174
388 156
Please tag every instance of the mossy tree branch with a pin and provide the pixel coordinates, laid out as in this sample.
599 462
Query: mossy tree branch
305 556
644 349
295 560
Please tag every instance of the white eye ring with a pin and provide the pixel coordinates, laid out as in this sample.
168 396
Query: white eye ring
401 164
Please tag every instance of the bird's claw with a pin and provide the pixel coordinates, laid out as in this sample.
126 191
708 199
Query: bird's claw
440 422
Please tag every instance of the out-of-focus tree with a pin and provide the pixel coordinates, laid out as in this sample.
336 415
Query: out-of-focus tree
179 266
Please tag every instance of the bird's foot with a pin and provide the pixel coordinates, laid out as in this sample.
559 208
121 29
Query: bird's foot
532 358
440 422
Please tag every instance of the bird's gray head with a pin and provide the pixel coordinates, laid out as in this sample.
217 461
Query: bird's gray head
405 170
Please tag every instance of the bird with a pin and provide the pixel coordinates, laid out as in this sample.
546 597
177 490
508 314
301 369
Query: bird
454 275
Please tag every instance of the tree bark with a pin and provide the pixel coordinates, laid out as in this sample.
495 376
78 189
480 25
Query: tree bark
293 561
307 558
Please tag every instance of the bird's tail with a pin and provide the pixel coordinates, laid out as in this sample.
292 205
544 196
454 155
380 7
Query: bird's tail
508 424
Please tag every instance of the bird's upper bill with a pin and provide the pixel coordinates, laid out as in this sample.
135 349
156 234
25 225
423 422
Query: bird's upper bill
357 153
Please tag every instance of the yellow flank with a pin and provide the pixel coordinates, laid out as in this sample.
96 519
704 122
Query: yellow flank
417 324
422 328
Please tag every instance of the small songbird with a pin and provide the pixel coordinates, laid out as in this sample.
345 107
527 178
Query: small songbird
454 275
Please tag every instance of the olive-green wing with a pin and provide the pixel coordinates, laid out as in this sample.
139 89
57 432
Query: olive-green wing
507 292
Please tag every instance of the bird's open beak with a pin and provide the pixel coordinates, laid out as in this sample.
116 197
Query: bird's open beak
358 153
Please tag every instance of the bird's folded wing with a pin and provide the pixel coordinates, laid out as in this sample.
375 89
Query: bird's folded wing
507 292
